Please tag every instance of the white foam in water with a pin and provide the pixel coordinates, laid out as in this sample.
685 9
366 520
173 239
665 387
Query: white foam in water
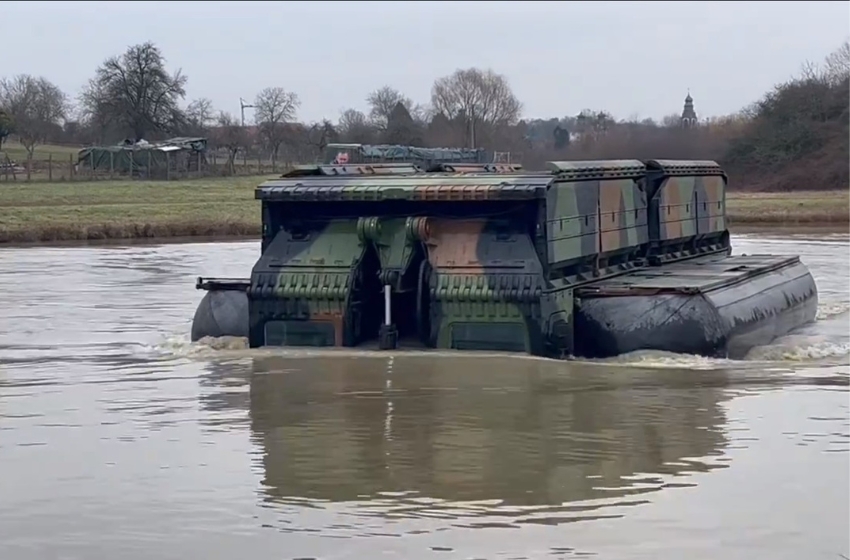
799 348
791 348
657 359
827 309
787 349
207 347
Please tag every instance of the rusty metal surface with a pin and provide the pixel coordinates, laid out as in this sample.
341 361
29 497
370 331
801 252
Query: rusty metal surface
426 187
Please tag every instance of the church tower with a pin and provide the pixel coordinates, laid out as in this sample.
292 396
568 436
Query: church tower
689 116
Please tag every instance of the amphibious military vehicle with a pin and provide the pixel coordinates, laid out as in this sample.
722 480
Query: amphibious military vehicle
587 258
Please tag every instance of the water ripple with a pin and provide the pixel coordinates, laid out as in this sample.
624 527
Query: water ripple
114 430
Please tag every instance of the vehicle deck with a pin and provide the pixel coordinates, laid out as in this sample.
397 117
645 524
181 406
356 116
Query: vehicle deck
688 277
222 284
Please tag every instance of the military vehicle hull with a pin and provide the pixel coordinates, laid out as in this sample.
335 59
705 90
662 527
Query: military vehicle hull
718 307
223 311
590 259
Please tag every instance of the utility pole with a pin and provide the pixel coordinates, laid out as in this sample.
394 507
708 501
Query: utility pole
243 106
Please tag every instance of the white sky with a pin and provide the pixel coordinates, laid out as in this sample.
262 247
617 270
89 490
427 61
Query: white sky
629 58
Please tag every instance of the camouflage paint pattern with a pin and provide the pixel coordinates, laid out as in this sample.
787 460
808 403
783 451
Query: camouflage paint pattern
595 218
488 280
308 278
712 203
485 286
691 199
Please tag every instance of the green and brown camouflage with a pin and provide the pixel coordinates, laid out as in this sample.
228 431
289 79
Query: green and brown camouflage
475 257
689 198
596 211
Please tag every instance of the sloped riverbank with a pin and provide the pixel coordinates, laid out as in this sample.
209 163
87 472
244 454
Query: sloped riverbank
225 208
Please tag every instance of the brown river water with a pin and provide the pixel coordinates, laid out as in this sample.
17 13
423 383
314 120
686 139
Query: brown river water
121 440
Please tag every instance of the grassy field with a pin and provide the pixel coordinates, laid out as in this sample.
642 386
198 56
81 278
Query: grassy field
68 211
801 208
128 209
60 154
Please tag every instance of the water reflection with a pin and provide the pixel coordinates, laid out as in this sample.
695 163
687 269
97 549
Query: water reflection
120 436
519 432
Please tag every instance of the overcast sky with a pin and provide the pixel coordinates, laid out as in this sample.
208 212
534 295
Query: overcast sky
629 58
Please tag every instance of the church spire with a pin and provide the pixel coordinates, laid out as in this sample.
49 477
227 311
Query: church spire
689 116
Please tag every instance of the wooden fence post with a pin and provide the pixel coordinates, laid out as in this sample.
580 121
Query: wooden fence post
50 166
71 166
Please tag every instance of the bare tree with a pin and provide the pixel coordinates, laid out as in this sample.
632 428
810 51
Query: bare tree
421 114
36 106
95 115
482 99
230 135
837 64
200 114
353 126
834 69
382 101
273 108
319 135
136 92
673 120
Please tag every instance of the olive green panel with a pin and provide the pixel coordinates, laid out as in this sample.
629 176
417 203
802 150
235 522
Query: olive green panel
308 277
485 287
395 241
711 203
572 220
556 307
677 209
622 215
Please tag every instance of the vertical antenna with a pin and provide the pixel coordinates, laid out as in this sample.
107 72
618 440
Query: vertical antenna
242 107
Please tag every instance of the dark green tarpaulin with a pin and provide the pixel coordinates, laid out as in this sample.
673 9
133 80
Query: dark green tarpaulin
143 159
119 159
377 153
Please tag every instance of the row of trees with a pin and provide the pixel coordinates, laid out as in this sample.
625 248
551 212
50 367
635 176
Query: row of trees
134 96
